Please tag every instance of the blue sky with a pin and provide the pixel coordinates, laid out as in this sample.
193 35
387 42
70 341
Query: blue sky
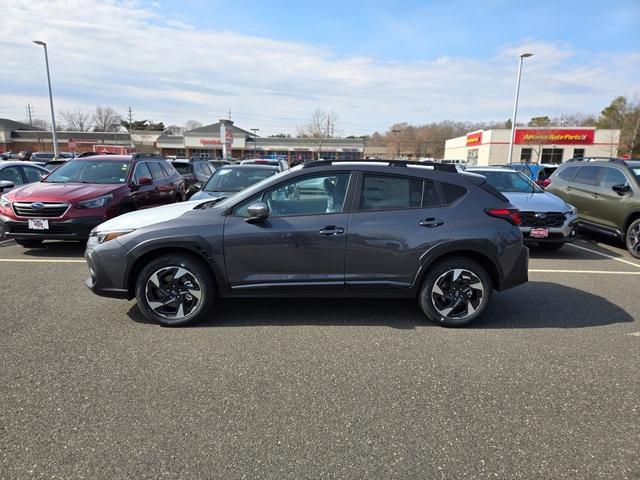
273 62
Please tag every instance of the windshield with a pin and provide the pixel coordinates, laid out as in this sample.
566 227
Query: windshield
636 172
510 182
91 171
236 179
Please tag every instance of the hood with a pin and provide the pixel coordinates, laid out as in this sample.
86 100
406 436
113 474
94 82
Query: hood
148 216
202 195
537 202
61 192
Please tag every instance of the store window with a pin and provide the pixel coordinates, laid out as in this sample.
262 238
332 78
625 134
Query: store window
578 153
472 156
181 153
551 155
329 155
349 155
203 153
525 155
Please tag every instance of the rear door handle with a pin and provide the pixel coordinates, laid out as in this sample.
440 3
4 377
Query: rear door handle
431 222
331 230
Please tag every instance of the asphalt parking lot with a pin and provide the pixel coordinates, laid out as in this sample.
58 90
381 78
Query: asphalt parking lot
544 386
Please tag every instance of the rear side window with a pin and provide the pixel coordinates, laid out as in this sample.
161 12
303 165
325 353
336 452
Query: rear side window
453 193
588 175
32 174
382 192
156 170
141 171
568 173
431 197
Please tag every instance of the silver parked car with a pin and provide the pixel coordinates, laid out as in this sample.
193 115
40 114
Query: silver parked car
546 219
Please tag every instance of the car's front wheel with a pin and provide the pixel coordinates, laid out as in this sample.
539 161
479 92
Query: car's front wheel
455 292
175 290
632 238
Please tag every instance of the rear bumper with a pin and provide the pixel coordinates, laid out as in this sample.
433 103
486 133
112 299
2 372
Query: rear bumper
72 229
518 274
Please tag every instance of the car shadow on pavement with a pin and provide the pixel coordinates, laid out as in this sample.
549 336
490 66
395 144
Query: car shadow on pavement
535 305
57 249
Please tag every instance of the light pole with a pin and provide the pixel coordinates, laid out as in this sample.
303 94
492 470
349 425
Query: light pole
515 105
254 130
53 116
397 131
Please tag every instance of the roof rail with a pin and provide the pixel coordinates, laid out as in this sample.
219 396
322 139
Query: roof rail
146 155
443 167
597 159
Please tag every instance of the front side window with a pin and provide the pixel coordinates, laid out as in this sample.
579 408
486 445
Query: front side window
141 171
613 176
588 175
11 174
382 192
309 196
91 171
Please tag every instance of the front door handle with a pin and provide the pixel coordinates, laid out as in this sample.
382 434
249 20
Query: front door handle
331 230
431 222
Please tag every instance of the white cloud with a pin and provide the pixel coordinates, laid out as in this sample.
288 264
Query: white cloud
123 54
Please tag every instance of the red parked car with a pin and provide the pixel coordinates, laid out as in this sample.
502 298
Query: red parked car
85 192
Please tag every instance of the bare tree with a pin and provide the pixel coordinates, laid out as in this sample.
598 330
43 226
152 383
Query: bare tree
105 118
321 126
174 130
77 121
192 125
41 124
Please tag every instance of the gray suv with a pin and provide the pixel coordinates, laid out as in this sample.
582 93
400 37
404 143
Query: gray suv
324 229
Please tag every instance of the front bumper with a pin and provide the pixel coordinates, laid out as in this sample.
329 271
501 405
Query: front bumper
105 268
71 229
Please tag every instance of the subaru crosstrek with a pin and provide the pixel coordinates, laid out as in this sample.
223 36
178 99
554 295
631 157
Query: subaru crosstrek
337 229
85 192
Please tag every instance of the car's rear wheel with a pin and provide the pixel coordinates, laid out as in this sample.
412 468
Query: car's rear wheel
455 292
551 246
29 243
632 238
175 290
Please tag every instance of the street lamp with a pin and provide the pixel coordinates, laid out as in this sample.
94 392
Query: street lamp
397 131
254 130
53 116
515 105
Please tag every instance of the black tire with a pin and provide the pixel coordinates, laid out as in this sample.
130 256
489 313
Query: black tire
443 272
30 243
198 276
632 238
551 246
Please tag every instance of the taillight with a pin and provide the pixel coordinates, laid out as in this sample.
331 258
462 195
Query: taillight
546 182
511 215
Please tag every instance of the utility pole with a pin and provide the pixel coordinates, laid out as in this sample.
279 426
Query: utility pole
254 130
229 114
29 112
397 131
515 104
130 118
53 116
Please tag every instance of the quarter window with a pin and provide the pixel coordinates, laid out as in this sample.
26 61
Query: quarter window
309 196
452 193
588 175
382 192
613 176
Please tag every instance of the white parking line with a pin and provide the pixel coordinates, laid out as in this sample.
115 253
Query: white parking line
606 255
41 260
6 241
606 272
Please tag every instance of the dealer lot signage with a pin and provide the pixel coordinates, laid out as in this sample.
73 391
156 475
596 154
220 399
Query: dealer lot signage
553 136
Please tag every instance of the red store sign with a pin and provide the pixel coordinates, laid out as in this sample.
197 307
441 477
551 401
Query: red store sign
474 139
208 141
557 136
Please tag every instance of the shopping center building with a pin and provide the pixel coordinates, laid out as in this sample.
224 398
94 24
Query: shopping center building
532 145
219 140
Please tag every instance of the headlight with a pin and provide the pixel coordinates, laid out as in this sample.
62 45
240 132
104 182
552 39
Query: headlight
95 202
4 201
572 210
101 237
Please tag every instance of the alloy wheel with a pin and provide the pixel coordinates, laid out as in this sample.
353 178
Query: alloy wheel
634 240
457 293
173 292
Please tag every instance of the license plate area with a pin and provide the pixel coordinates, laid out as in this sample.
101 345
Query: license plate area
38 224
539 233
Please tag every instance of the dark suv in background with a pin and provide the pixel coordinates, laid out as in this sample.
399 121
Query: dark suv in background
606 193
85 192
329 229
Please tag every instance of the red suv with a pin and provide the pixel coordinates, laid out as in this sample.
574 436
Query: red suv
85 192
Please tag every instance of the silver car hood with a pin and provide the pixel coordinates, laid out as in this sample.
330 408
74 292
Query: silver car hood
537 202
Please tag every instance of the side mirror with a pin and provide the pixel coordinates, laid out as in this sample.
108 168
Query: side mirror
145 181
8 185
257 212
621 189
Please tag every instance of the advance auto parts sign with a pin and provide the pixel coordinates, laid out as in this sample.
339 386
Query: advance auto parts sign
474 139
560 136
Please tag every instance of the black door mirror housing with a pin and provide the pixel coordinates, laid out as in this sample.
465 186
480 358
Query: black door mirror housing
621 189
6 185
258 212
